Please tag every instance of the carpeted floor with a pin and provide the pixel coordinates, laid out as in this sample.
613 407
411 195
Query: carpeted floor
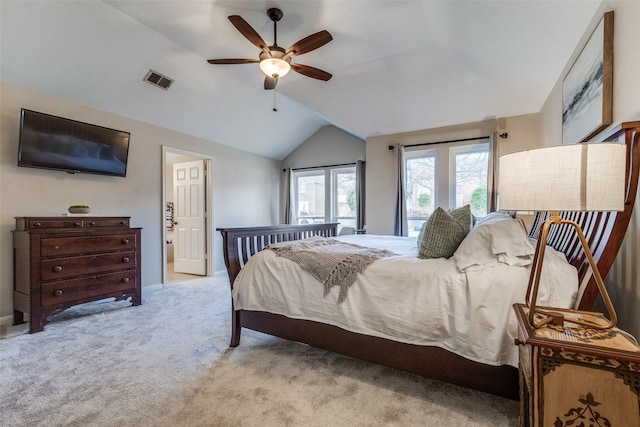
167 363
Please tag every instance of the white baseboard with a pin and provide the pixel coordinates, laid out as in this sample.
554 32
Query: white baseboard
152 287
6 320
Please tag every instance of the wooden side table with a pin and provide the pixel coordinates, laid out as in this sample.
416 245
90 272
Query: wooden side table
571 375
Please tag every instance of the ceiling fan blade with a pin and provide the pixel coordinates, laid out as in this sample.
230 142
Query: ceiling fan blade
248 31
232 61
310 43
314 73
270 83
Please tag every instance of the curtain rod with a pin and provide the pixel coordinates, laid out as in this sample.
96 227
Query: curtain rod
321 167
446 142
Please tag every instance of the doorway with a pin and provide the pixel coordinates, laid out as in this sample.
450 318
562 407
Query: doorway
186 218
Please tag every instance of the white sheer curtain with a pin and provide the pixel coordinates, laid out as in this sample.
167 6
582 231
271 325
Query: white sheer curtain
401 227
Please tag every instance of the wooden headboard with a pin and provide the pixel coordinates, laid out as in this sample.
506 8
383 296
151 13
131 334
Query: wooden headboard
604 231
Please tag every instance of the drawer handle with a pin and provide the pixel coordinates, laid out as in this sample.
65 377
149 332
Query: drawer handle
125 241
37 224
92 223
56 247
57 268
77 224
125 280
125 259
57 292
123 222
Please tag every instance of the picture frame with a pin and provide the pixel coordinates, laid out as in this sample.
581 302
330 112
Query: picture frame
587 89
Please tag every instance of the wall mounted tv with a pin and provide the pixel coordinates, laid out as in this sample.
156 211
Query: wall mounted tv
51 142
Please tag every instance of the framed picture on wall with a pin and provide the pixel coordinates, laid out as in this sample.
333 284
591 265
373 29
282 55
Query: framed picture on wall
587 89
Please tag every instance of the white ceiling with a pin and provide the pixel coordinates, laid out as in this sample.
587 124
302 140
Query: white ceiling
397 65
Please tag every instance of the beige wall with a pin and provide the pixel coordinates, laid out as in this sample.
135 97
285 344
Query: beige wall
245 186
328 146
523 131
623 282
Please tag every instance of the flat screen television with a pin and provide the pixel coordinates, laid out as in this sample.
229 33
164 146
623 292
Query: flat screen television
51 142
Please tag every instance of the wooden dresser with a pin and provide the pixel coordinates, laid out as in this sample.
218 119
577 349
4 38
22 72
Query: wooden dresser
572 375
68 260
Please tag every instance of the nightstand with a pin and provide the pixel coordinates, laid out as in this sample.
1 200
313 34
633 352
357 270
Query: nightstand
571 375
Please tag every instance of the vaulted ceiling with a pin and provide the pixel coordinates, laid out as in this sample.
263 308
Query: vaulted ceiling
397 65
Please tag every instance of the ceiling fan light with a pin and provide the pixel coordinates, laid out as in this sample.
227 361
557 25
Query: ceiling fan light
275 67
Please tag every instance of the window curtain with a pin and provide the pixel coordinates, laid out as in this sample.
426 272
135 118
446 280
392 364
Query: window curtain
492 176
360 194
401 224
288 208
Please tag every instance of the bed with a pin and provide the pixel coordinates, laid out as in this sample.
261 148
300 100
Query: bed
435 359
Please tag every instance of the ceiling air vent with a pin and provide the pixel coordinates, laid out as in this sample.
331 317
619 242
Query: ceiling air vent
157 79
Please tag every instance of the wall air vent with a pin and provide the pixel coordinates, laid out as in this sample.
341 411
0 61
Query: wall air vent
157 79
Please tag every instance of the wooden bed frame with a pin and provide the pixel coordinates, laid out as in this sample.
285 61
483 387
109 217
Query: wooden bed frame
604 232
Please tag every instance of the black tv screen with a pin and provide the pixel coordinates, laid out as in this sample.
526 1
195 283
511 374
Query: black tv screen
52 142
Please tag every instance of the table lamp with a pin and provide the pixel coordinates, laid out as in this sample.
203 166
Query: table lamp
578 177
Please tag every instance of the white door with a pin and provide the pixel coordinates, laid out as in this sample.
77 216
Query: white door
189 215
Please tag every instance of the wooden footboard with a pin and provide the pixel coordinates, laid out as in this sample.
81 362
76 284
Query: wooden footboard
240 244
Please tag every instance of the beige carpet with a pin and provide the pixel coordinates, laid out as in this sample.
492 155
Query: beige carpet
167 363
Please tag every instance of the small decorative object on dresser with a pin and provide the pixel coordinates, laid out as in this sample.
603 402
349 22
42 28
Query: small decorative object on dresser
575 375
79 209
62 261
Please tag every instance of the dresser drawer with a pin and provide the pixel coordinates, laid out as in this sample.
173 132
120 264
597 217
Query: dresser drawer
60 268
87 288
47 224
78 245
106 222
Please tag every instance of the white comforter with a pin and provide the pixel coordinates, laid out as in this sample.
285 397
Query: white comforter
416 301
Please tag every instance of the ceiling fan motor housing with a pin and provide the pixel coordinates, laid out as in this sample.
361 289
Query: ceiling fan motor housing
274 14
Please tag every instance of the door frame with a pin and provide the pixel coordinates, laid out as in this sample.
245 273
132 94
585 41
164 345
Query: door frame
208 182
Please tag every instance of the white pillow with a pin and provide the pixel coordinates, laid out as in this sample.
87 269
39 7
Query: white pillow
499 239
492 217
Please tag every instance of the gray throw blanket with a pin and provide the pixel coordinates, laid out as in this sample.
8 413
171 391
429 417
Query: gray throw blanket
331 261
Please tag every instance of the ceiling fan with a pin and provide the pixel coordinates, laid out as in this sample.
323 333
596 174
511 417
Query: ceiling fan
275 61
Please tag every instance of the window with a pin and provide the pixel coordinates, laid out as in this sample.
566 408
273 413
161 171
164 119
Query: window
310 197
470 167
343 196
451 175
420 188
315 201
